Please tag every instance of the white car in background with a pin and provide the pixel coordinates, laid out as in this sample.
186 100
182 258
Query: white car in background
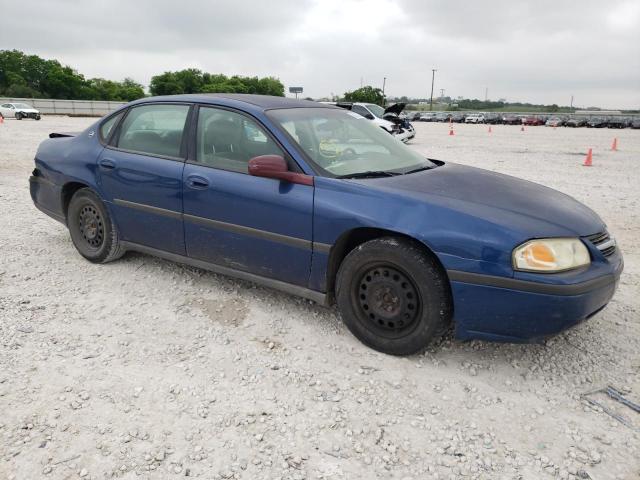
398 127
19 111
474 118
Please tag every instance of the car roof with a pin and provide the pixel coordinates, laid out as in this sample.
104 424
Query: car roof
263 102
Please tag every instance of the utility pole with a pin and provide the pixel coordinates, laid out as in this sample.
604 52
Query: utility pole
441 93
433 76
384 100
571 107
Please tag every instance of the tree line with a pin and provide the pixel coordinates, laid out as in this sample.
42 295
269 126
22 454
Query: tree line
30 76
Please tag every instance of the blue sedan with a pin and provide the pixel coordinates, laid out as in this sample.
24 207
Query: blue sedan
319 202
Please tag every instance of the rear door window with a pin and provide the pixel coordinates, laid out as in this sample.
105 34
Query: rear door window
154 130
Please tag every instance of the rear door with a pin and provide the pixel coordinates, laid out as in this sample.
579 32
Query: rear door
253 224
140 174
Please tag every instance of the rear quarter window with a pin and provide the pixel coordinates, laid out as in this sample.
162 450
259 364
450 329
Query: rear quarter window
107 127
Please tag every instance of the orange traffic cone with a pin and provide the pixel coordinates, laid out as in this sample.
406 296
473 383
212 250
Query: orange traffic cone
588 161
614 145
451 131
1 119
489 128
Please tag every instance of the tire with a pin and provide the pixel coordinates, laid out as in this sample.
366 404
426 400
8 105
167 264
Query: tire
18 116
93 233
393 296
38 117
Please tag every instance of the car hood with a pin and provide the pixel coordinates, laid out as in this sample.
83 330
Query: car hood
396 108
529 208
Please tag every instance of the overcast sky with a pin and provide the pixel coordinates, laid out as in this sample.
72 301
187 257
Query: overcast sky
539 51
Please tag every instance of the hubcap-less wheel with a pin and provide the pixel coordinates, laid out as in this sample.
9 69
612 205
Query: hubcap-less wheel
388 301
91 226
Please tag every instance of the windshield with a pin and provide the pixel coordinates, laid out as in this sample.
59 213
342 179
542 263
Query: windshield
21 105
377 110
344 143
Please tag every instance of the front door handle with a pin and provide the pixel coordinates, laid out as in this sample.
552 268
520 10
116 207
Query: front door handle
107 164
197 182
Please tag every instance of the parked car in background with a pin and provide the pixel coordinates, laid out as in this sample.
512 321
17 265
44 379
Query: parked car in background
393 113
597 122
474 118
576 122
376 114
493 118
554 122
635 123
457 117
442 117
532 121
318 202
427 117
19 111
617 122
510 119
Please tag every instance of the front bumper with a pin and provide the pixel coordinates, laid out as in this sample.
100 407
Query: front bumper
511 310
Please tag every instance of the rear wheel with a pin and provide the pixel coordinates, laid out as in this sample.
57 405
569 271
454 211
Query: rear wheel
393 296
92 231
18 116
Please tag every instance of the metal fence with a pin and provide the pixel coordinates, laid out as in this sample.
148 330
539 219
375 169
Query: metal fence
81 108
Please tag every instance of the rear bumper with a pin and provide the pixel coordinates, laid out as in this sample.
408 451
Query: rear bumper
510 310
47 197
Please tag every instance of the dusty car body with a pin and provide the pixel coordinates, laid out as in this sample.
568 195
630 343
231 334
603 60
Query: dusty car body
316 201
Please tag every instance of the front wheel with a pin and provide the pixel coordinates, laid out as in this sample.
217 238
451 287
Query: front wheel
93 233
393 296
18 116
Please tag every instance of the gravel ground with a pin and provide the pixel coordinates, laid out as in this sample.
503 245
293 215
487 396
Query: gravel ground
147 368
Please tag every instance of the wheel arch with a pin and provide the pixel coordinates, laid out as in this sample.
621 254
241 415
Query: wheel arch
67 192
351 239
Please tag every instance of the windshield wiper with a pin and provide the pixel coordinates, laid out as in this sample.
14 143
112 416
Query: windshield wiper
420 169
370 174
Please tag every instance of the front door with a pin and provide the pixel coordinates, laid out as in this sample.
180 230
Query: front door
140 175
253 224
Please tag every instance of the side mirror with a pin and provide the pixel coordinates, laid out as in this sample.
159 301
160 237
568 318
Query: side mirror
274 166
369 116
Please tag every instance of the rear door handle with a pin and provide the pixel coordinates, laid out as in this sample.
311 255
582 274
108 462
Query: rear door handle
197 182
107 164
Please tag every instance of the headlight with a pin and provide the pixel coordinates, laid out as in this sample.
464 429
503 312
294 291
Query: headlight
551 255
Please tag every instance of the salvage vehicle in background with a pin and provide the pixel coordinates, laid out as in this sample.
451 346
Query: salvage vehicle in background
554 122
493 118
532 121
576 122
617 122
427 117
510 119
474 118
305 198
391 123
635 123
597 122
457 117
19 111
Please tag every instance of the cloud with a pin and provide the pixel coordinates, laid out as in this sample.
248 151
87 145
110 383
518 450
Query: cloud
537 51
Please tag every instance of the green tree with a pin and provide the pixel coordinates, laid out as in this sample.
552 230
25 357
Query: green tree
366 94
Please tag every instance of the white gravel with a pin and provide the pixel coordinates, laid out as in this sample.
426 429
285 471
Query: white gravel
147 368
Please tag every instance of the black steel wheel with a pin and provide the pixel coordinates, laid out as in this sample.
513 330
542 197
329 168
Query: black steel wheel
18 116
393 295
387 299
92 231
91 226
